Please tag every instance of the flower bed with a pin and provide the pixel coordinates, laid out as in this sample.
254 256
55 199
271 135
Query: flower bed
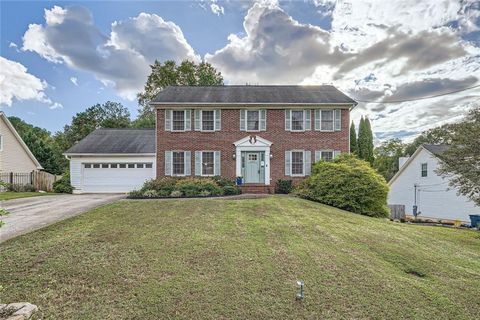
185 188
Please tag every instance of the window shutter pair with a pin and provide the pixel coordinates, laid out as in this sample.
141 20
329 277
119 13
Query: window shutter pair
307 120
187 163
188 120
218 120
216 161
337 119
307 162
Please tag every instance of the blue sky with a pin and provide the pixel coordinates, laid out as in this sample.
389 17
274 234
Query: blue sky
59 58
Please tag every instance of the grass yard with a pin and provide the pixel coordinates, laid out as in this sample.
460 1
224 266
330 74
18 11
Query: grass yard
8 195
240 259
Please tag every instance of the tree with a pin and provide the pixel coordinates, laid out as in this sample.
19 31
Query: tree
353 139
107 115
41 144
461 162
170 74
369 145
386 157
438 135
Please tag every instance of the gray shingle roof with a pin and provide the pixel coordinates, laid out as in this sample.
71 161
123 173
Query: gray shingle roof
436 149
105 141
280 94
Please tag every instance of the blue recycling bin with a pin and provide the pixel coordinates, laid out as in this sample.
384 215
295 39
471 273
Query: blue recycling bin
475 220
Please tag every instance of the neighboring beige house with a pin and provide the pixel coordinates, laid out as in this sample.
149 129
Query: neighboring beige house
14 153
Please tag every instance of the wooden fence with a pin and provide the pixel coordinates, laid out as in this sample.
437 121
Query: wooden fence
40 180
397 212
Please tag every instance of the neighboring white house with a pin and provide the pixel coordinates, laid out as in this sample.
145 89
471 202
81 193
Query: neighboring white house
434 198
112 160
14 154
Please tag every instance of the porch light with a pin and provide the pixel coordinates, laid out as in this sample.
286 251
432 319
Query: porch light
271 155
301 293
234 155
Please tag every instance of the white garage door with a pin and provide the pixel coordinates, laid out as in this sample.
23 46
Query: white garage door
115 177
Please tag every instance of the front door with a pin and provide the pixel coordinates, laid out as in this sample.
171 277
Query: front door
252 167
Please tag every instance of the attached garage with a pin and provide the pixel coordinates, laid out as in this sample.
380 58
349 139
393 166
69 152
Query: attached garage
112 160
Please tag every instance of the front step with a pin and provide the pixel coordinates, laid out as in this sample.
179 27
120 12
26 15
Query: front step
256 188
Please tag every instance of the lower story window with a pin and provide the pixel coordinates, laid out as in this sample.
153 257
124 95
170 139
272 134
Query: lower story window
208 163
327 155
178 161
297 162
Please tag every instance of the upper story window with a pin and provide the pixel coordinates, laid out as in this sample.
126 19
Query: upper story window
424 170
297 120
208 120
326 123
328 119
253 120
178 120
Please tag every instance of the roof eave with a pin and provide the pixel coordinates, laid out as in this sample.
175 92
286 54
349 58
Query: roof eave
234 105
93 154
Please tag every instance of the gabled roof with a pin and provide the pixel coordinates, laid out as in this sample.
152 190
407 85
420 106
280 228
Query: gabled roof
116 141
252 94
20 140
434 149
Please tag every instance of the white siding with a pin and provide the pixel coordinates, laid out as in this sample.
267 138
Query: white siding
13 157
115 181
435 199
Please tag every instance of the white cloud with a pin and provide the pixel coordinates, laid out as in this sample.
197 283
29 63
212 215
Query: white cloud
213 6
375 50
56 105
74 80
17 84
121 59
216 9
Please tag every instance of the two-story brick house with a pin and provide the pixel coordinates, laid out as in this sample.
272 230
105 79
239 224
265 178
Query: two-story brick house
261 133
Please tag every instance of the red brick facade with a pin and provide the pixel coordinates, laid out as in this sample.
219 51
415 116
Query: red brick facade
223 140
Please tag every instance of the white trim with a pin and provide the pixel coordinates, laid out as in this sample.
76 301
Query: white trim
20 140
304 120
260 145
303 162
171 161
238 105
110 154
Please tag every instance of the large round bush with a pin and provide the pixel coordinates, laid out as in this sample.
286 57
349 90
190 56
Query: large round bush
347 183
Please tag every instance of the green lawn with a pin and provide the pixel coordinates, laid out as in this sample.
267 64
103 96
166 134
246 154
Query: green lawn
240 259
15 195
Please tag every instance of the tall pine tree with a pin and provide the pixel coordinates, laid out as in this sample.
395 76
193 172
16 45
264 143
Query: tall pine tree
362 139
369 138
353 139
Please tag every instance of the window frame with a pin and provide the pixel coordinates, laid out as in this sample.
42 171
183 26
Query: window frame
303 163
327 150
214 120
172 163
333 120
422 171
291 120
201 163
184 120
246 120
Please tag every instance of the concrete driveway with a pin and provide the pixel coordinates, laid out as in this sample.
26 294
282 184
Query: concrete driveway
28 214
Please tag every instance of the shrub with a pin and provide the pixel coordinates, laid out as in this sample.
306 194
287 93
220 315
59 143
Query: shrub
135 194
63 185
192 187
231 190
176 194
224 182
162 186
150 194
284 186
347 183
21 188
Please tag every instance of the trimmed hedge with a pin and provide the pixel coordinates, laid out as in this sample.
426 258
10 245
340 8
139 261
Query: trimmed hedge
347 183
185 187
284 186
63 185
